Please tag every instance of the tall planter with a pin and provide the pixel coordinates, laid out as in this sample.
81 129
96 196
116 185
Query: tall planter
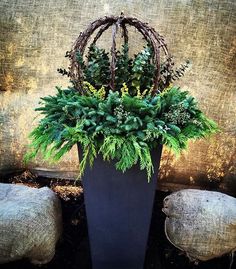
119 208
119 106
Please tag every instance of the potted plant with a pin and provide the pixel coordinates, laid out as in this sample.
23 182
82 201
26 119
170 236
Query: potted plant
120 111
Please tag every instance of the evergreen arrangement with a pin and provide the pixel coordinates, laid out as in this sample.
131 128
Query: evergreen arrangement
123 124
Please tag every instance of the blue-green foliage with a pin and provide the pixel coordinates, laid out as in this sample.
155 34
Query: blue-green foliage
136 72
97 69
143 70
123 68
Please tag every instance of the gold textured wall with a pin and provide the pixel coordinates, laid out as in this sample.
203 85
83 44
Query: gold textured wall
34 36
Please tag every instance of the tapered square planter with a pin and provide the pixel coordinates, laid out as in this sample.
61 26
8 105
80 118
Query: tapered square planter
119 209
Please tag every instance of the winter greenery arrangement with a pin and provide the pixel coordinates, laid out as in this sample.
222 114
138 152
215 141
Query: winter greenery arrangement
123 120
124 124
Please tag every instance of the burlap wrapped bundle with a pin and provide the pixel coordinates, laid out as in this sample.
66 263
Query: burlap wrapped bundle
30 223
201 223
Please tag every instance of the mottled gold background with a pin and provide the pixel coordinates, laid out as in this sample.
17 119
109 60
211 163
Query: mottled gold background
34 36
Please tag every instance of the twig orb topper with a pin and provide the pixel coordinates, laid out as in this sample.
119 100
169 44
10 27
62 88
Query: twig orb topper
150 35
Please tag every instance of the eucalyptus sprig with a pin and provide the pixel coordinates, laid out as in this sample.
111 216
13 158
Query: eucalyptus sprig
137 72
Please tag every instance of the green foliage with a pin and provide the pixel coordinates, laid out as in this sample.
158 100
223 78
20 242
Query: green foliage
120 127
97 69
123 67
143 70
137 73
173 74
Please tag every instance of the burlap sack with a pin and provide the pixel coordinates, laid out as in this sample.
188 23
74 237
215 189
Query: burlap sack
201 223
30 223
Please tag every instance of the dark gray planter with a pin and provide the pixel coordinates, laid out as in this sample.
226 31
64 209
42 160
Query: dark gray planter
119 209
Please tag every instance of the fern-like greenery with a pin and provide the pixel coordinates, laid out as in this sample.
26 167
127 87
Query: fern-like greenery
118 125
